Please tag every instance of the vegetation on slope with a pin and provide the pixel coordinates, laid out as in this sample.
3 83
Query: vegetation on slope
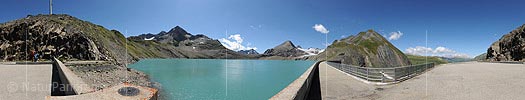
481 57
416 59
366 49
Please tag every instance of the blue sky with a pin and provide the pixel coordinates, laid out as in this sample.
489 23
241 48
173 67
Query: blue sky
454 26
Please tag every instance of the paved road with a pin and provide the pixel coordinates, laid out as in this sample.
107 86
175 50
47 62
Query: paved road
13 85
461 81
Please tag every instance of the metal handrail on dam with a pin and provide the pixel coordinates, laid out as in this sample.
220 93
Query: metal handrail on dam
306 87
384 75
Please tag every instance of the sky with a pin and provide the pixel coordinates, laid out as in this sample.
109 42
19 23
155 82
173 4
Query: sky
462 28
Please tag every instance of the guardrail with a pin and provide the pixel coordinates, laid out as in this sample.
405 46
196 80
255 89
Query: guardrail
505 62
384 75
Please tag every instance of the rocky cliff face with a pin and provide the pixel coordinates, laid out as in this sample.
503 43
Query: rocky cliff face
62 36
367 49
510 47
286 49
69 38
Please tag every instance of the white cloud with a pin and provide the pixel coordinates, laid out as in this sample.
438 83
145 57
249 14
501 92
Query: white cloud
236 37
418 50
255 27
234 42
438 51
320 28
441 49
395 35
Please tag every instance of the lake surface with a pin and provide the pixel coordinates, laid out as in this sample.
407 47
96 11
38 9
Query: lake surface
198 79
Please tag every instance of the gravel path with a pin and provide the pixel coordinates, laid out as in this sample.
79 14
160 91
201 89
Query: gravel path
470 81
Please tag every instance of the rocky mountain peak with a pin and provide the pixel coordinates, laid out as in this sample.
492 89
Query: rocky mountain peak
371 34
178 30
367 35
286 45
285 49
174 36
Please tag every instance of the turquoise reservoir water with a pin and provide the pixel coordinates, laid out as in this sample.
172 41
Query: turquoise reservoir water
199 79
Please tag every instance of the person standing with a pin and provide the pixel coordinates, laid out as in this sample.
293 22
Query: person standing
32 55
36 57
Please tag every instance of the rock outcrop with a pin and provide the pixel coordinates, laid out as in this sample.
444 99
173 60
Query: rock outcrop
69 38
61 36
286 49
510 47
367 49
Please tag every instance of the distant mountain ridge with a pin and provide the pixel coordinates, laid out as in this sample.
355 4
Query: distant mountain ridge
178 43
311 51
248 52
481 57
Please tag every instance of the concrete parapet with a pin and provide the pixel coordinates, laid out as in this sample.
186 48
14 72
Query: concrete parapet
307 86
68 82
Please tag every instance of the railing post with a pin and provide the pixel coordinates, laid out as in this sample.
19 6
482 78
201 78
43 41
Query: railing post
367 74
383 78
395 74
342 68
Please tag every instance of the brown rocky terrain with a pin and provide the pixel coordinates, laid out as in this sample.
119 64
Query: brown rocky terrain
510 47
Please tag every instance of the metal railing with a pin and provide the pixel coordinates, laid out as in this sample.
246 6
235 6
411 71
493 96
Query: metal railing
384 75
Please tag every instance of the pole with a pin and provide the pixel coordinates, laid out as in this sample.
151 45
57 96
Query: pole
50 7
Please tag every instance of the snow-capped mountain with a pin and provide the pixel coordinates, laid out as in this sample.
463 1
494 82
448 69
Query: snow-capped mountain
311 51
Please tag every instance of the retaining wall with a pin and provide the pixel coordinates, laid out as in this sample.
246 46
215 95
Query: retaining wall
306 87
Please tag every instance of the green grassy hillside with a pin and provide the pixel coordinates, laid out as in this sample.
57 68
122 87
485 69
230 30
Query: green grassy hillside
416 59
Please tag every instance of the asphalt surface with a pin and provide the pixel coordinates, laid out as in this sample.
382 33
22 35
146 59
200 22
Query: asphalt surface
25 82
460 81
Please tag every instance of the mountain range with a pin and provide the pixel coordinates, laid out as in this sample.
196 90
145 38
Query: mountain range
67 37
